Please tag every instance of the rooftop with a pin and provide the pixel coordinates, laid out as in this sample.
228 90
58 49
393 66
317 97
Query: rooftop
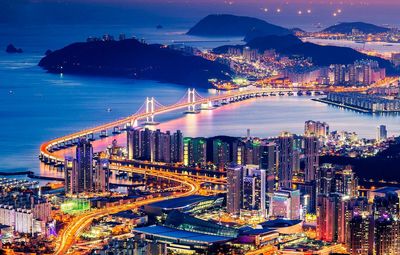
171 233
387 190
280 223
181 202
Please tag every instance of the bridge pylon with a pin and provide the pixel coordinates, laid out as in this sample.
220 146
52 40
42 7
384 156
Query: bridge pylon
150 108
191 99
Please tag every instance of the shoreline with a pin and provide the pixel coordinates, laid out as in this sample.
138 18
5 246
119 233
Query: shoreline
325 101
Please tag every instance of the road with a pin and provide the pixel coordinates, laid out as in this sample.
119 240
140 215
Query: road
74 229
45 147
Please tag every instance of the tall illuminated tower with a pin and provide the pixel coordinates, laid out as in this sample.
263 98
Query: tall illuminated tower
285 164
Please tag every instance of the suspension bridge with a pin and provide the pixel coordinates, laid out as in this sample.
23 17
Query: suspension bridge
191 101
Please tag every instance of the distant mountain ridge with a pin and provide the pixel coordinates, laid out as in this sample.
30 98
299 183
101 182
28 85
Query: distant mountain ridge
133 59
347 28
291 45
219 25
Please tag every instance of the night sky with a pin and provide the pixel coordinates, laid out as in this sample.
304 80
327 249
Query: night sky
291 13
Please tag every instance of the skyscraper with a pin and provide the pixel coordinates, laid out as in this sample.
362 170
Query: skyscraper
311 156
148 145
360 238
317 128
84 165
234 175
268 163
177 147
387 235
381 133
194 151
78 172
101 183
285 203
331 220
254 190
221 152
69 172
267 157
347 182
285 163
134 143
325 180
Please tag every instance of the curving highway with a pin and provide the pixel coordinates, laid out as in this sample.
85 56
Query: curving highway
74 229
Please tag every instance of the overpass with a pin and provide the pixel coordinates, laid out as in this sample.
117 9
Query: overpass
68 236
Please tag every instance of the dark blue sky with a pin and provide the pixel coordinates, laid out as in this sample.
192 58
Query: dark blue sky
149 12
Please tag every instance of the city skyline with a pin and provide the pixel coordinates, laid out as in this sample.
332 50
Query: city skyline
199 127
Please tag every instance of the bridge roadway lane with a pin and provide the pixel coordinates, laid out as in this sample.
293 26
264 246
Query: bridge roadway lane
74 229
44 148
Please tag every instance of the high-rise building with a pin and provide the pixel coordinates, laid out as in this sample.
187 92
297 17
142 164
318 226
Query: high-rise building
311 157
234 175
268 157
148 145
69 172
221 153
308 196
134 143
177 147
381 133
386 204
84 161
162 146
360 238
285 203
194 151
268 162
285 162
254 190
339 74
79 171
101 174
331 218
252 152
387 236
325 180
250 54
319 129
347 182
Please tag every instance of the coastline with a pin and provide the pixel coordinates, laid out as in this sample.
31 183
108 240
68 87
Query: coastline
322 100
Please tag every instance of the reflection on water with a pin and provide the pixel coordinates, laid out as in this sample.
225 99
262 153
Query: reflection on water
36 106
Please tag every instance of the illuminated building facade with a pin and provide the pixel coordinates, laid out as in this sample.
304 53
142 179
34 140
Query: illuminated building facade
331 218
285 163
254 190
311 157
234 175
320 129
285 203
381 133
194 151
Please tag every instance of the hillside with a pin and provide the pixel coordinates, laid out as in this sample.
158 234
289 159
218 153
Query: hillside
290 45
219 25
347 28
133 59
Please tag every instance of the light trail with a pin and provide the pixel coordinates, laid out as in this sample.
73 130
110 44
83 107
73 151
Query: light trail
69 235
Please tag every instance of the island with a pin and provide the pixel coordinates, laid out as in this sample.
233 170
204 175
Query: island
134 59
354 27
222 25
290 45
12 49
